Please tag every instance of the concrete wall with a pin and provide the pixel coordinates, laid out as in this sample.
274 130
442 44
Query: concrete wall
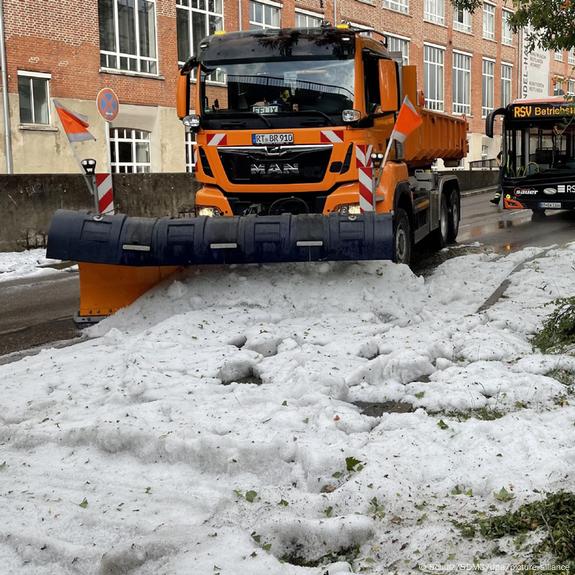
27 202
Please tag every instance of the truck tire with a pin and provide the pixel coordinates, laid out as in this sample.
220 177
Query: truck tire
454 209
440 236
402 237
538 214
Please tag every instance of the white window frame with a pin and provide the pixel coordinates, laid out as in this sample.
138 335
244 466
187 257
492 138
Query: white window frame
191 147
559 85
558 56
489 21
487 87
309 14
115 141
368 30
41 76
263 25
404 41
117 55
508 82
571 87
436 103
207 13
401 6
434 11
464 26
506 32
464 107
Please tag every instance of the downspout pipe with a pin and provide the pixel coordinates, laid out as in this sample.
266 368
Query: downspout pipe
335 12
5 97
240 15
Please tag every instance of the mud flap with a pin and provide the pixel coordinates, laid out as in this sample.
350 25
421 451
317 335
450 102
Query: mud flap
129 241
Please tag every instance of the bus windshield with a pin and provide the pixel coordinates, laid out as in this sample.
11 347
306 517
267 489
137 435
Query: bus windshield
540 148
262 92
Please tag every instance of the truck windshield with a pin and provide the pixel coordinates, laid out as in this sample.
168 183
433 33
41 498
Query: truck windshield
547 149
287 93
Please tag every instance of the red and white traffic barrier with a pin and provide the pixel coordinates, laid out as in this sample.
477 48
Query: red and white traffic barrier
105 193
365 176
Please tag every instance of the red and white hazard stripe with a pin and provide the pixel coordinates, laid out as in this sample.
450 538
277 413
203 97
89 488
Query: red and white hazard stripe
217 139
331 136
365 176
105 193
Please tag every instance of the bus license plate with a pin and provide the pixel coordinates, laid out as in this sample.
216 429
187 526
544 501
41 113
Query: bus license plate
272 139
549 204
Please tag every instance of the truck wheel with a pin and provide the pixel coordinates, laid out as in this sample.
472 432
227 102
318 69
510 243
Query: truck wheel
441 234
402 237
454 208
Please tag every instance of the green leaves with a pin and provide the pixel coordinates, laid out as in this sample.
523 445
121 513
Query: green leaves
503 495
84 503
442 425
249 496
353 464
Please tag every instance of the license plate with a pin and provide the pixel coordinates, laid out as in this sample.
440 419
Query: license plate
274 139
549 204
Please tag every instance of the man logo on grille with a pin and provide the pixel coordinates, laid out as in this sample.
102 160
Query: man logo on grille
274 169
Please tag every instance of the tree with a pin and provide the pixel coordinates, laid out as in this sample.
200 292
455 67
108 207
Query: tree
548 24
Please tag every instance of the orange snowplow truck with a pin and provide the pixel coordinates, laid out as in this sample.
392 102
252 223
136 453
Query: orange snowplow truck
286 123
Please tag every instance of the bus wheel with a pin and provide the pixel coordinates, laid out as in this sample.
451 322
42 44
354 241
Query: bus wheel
454 207
538 214
402 237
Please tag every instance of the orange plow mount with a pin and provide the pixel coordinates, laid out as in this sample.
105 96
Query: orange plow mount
105 288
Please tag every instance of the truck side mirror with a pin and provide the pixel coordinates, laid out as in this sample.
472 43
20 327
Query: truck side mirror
183 95
388 86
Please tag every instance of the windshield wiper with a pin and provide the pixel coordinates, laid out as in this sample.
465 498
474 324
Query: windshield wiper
319 113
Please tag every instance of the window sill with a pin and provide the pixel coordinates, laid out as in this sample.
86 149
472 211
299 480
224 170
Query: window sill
114 72
38 128
368 2
490 40
468 32
508 44
395 11
440 24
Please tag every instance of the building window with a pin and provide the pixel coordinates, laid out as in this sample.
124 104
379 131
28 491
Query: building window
559 56
506 75
433 76
368 31
434 11
34 96
196 19
506 32
190 151
571 88
488 86
461 83
397 5
264 15
558 87
128 35
397 44
130 151
305 20
462 20
489 21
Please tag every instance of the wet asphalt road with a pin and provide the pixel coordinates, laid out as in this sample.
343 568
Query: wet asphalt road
34 312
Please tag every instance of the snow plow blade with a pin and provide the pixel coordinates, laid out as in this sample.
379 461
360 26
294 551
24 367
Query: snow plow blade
131 254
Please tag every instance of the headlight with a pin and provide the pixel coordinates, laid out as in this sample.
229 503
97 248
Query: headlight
347 209
209 211
349 116
192 121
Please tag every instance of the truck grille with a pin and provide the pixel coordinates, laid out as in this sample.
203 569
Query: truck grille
275 164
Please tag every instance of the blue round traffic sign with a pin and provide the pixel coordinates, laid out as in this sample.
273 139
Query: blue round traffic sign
108 104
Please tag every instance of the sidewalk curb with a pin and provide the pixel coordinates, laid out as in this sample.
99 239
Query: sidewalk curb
479 191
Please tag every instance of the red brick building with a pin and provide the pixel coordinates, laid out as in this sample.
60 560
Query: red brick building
68 51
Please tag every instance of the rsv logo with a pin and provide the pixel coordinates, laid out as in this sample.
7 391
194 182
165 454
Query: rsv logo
274 169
